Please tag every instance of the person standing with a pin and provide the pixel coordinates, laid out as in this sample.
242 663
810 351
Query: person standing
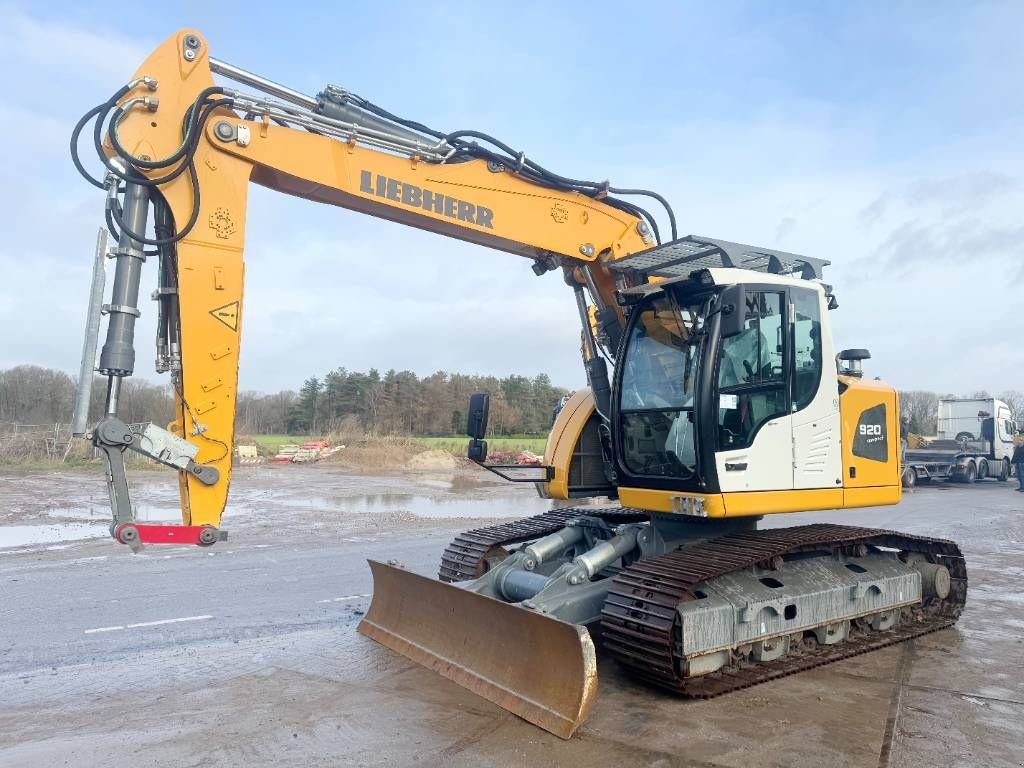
1018 462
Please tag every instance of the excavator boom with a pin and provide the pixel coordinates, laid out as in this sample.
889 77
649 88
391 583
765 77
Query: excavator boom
186 148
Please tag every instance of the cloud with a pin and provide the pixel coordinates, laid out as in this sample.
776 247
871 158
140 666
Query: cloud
977 188
969 216
874 211
786 228
63 54
919 215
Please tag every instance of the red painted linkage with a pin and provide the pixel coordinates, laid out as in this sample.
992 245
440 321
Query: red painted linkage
135 534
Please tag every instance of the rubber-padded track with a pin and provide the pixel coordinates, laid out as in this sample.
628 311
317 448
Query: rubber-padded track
640 625
463 558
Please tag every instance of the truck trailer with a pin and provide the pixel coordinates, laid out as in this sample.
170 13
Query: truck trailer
974 441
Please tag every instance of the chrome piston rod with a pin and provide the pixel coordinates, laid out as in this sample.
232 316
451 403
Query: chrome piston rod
335 103
240 75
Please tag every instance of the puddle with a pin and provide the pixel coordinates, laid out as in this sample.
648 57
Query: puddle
143 513
21 535
425 506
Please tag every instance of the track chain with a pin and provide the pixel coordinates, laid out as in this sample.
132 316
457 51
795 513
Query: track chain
641 630
463 559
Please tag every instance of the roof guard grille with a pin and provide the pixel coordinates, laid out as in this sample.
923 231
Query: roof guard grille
682 257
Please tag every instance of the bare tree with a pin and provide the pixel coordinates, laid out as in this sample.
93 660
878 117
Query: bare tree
921 411
1015 399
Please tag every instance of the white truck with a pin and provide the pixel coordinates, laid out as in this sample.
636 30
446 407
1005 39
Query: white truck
974 441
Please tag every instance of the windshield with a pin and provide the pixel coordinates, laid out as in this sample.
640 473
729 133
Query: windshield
659 377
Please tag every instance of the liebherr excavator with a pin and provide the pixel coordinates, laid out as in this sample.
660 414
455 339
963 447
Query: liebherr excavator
726 402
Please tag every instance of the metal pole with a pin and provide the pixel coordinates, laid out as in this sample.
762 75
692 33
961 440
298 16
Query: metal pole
588 337
83 393
117 358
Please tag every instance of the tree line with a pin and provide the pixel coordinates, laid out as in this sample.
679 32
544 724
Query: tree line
400 402
32 395
395 402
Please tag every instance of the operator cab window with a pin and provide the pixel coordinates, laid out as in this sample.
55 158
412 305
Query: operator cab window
658 380
751 372
806 346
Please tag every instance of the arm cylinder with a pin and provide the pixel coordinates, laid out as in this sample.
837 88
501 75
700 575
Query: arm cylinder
117 358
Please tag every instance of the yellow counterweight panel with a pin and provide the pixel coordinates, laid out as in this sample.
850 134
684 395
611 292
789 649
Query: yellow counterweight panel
859 471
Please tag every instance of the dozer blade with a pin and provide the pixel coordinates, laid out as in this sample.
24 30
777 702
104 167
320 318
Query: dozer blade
539 668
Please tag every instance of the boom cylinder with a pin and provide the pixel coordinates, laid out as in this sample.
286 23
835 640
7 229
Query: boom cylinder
117 358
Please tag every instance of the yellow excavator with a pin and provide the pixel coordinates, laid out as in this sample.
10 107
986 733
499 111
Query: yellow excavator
715 397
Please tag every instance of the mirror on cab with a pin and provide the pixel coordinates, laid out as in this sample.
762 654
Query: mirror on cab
476 426
732 305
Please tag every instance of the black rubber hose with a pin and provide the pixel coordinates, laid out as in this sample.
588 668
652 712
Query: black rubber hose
519 162
80 125
188 226
204 115
119 114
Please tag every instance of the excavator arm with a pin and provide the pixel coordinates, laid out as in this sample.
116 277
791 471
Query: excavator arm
181 146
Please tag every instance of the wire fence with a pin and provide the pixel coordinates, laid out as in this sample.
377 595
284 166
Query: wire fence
21 443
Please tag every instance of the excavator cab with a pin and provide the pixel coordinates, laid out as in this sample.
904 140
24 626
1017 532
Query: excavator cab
720 372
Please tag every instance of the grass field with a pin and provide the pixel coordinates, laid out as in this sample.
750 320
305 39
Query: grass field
455 445
273 443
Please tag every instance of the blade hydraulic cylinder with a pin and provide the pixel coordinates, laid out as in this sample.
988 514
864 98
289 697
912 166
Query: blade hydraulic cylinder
551 546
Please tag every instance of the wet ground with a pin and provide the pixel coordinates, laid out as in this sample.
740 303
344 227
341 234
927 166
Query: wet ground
246 653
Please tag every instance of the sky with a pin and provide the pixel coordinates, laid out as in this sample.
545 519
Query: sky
882 136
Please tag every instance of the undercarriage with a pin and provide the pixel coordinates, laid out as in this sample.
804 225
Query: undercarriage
696 606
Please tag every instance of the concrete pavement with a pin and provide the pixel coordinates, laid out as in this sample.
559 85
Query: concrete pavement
246 653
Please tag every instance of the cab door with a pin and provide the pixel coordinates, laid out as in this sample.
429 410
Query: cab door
1005 429
755 440
817 428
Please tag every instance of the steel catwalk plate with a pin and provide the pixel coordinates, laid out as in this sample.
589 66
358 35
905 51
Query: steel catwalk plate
539 668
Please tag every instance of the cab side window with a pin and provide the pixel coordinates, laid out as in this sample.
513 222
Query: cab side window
752 372
806 346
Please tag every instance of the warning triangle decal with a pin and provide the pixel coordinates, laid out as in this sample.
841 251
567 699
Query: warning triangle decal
228 314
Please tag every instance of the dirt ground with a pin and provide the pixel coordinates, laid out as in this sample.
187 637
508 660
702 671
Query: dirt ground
246 654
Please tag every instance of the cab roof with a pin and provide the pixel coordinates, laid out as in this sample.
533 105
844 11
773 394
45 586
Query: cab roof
683 257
